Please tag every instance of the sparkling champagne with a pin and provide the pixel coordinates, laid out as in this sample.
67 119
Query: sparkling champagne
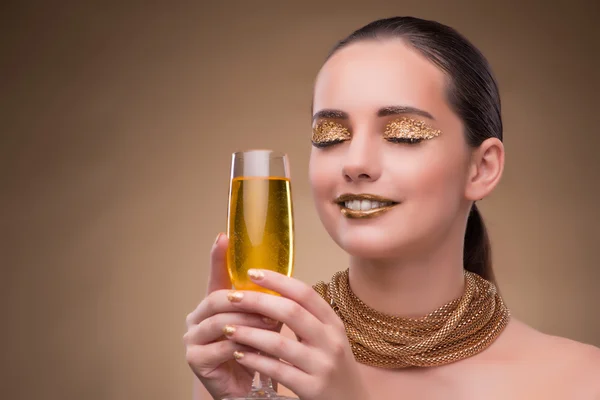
260 229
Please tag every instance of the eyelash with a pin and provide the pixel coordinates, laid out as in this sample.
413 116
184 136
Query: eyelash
404 140
322 145
401 140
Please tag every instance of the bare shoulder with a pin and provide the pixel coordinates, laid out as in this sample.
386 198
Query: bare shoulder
568 351
575 365
580 358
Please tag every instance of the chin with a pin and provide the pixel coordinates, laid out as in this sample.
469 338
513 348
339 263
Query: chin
379 238
369 244
368 240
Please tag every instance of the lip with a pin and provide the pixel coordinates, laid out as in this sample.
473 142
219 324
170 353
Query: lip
362 196
359 214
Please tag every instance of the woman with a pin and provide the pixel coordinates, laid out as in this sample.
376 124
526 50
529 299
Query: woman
407 136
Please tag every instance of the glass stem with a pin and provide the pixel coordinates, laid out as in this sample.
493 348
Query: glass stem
262 384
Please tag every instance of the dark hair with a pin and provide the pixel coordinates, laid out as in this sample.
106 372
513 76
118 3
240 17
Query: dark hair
472 94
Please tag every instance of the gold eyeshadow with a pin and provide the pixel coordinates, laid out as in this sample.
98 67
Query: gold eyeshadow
329 132
409 128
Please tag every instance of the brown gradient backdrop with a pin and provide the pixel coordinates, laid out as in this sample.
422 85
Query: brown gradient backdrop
117 126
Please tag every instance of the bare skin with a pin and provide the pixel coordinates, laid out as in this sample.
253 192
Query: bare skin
407 261
522 364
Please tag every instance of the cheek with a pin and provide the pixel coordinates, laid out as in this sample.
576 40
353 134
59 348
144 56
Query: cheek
320 173
434 177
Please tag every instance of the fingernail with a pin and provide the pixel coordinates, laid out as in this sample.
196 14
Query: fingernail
235 297
256 274
238 355
269 321
228 330
217 239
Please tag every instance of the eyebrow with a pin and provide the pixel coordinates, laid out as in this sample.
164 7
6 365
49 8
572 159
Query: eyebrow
398 110
327 113
382 112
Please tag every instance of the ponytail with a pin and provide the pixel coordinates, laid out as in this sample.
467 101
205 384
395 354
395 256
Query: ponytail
477 253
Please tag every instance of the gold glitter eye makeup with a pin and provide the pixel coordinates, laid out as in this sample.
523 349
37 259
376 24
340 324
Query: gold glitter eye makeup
409 130
327 133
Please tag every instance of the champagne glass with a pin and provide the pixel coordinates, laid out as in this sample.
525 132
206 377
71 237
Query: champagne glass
260 229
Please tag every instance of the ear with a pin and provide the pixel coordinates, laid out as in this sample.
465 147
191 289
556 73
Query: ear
485 170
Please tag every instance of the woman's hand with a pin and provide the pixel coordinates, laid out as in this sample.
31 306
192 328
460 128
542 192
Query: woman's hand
320 365
209 355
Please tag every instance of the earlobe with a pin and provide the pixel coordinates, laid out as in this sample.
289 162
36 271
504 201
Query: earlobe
487 165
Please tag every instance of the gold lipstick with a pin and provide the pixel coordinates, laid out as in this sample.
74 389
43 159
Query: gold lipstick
363 205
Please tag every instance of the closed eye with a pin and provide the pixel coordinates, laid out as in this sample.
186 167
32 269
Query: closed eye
328 133
404 140
409 130
328 143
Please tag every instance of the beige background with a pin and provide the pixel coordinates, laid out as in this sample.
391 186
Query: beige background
117 126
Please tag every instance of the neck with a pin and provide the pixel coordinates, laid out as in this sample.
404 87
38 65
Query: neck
409 287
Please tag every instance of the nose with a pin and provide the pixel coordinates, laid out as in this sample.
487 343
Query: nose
362 161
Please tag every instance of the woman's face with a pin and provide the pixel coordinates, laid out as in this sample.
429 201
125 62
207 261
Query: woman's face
382 127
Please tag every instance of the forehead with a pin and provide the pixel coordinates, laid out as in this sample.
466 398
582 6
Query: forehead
370 74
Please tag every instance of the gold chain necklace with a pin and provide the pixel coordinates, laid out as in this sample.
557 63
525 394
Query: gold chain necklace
455 331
